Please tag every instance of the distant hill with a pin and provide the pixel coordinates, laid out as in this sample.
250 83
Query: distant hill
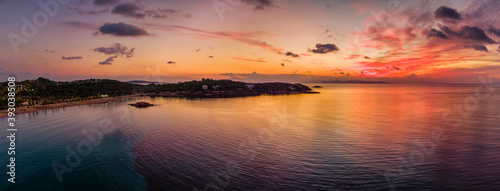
223 88
141 82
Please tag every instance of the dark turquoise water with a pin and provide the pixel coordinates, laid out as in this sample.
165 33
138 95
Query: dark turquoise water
349 137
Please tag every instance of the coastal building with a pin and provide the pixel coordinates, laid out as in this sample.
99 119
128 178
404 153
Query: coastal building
204 87
250 86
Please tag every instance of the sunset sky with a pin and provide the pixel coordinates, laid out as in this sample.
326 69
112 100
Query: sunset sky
251 40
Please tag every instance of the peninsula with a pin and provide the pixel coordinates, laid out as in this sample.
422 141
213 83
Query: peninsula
43 94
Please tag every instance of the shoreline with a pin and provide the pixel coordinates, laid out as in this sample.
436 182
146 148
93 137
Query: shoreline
24 109
216 94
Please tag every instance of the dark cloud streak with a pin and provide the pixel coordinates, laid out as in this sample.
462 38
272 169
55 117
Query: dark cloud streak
108 61
122 29
105 2
291 54
447 14
470 33
116 49
128 10
477 47
260 4
324 48
494 31
71 58
436 33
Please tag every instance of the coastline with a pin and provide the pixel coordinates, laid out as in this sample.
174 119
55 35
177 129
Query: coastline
22 110
214 94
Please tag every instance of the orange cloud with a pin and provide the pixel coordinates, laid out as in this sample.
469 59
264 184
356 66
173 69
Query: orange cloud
248 59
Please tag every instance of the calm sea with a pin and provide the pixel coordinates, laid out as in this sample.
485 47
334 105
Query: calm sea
349 137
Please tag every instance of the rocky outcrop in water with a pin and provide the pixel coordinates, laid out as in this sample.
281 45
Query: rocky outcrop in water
141 104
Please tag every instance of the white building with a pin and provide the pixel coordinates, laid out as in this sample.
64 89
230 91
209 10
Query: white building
250 86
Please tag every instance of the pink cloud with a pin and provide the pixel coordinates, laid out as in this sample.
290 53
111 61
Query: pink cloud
411 40
353 56
361 8
246 37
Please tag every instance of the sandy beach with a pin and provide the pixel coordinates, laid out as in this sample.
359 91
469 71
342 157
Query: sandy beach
21 110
